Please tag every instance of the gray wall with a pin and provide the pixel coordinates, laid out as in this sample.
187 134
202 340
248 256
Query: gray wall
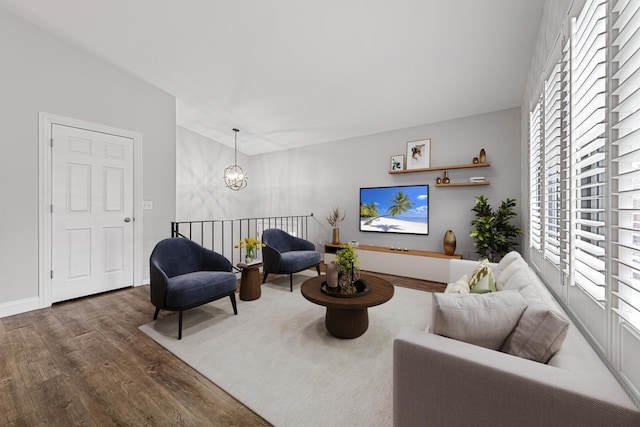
317 177
200 191
312 179
41 73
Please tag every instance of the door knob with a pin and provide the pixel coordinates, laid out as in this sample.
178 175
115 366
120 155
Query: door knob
127 219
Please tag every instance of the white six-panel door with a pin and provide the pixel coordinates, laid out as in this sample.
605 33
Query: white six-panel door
92 212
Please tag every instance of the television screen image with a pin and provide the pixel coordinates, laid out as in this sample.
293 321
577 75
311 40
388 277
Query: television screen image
400 209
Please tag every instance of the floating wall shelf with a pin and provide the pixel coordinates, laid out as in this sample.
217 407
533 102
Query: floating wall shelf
463 184
441 168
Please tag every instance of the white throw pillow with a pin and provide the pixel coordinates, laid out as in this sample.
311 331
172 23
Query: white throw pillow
519 280
504 276
481 319
505 262
460 286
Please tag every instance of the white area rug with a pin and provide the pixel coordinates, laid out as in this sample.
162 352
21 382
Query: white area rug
277 357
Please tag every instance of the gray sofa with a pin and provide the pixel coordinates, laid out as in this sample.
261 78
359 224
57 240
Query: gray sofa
444 381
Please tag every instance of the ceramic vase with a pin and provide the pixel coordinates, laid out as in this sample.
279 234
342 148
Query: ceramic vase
475 160
483 156
332 275
336 236
250 256
449 242
446 179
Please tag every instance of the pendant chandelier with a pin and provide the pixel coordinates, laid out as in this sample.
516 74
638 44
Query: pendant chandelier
235 177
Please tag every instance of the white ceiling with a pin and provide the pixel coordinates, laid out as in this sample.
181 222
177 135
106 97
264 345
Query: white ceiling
289 73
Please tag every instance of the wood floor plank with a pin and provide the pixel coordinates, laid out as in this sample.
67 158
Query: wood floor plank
85 362
11 390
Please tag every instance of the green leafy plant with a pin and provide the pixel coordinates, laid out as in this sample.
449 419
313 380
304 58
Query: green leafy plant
347 259
494 236
347 263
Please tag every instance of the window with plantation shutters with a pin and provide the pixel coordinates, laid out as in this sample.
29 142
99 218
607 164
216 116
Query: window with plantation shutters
625 260
588 154
585 207
552 161
535 179
566 192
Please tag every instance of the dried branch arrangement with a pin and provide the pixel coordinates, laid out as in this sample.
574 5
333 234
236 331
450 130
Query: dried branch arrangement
334 219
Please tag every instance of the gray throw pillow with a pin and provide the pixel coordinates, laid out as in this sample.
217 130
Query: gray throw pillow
481 319
538 335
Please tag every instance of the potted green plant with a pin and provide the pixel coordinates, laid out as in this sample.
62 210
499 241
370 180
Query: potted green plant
494 236
347 264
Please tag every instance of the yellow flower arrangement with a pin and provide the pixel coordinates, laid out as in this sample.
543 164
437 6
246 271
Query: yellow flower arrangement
251 244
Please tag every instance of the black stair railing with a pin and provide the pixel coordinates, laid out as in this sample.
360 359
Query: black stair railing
221 235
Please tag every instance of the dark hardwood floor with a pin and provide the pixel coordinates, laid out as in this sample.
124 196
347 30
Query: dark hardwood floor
85 362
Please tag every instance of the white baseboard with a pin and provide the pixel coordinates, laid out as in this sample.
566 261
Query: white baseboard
19 306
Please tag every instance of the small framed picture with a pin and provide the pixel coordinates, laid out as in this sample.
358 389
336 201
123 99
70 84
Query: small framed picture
419 154
397 162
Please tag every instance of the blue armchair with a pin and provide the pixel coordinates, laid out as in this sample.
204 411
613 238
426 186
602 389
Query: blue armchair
185 275
287 254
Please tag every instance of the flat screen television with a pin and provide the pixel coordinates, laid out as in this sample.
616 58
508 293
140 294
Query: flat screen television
399 209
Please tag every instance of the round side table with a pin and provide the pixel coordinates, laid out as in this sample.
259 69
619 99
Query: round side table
250 281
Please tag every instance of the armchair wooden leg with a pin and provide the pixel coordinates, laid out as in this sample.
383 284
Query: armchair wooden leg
264 278
233 303
290 282
180 325
155 315
318 268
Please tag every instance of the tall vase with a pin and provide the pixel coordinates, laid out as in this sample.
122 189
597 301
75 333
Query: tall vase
332 275
483 156
446 179
336 236
449 242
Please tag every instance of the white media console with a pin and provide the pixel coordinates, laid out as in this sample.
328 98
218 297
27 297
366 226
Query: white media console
418 264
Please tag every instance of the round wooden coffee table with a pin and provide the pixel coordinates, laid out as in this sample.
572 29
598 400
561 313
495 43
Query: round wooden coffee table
347 317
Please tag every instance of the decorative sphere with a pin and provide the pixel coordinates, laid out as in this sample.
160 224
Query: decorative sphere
235 177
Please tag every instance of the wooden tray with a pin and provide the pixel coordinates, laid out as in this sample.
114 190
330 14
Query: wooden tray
362 288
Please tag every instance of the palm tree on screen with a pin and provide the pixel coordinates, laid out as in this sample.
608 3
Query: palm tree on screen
368 210
401 203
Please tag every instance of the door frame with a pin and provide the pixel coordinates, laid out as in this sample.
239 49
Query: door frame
45 189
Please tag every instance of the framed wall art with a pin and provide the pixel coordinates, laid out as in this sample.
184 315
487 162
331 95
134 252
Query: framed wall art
419 154
397 162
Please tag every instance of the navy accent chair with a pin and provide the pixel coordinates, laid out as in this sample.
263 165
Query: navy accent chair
185 275
287 254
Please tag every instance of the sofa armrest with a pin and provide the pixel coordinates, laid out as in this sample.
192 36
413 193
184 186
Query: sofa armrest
447 382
